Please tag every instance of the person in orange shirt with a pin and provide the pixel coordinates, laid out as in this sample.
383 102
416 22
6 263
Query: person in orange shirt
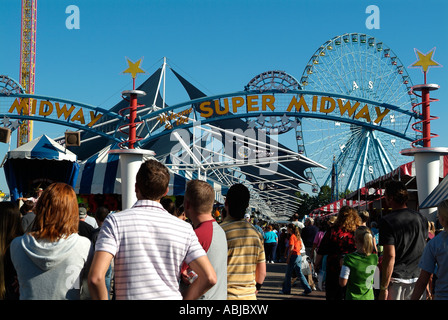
294 261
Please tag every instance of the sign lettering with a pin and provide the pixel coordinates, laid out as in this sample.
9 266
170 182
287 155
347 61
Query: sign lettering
255 103
181 117
47 108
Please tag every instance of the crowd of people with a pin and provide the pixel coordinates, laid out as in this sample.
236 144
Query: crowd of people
50 248
51 251
395 258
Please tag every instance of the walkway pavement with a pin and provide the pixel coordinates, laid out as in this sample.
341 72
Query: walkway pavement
273 284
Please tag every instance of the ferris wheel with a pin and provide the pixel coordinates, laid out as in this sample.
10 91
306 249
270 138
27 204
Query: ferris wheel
362 67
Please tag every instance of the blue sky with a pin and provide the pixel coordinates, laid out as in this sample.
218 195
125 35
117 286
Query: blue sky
217 45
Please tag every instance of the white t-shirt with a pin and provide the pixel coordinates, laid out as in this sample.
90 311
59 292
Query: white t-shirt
149 246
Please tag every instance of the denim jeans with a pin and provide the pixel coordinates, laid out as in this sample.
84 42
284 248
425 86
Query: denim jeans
295 262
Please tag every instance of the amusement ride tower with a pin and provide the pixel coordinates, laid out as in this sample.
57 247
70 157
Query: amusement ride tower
426 158
27 63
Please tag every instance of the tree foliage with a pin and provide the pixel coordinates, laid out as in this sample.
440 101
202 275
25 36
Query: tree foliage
309 203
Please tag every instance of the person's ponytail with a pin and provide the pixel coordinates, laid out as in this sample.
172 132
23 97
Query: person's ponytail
365 236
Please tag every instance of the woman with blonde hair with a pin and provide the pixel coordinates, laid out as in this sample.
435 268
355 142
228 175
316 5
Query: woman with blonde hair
358 268
337 241
50 260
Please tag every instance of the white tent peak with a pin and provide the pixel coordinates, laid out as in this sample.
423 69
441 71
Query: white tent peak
42 148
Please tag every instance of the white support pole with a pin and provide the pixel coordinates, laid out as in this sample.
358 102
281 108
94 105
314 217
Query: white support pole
427 163
130 162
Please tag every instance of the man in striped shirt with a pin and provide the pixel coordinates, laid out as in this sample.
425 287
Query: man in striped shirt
148 246
246 264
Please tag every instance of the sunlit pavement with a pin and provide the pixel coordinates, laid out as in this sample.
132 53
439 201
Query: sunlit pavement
273 284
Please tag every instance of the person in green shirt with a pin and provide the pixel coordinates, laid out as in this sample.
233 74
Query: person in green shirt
358 268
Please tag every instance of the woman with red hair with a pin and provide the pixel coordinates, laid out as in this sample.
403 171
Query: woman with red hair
50 260
337 242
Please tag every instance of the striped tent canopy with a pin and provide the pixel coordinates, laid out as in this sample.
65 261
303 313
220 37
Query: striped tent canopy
37 164
100 174
333 208
43 148
407 171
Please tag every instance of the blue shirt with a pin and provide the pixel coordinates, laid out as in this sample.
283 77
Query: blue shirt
270 237
435 260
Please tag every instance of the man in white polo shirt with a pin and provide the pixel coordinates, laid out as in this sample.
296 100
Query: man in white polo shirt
148 246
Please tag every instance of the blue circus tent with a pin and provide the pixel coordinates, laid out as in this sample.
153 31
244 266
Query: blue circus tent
100 174
39 163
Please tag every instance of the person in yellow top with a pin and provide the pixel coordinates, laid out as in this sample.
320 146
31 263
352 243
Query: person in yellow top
246 263
294 262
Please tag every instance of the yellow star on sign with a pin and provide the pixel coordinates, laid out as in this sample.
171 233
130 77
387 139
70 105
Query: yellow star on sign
134 68
425 60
